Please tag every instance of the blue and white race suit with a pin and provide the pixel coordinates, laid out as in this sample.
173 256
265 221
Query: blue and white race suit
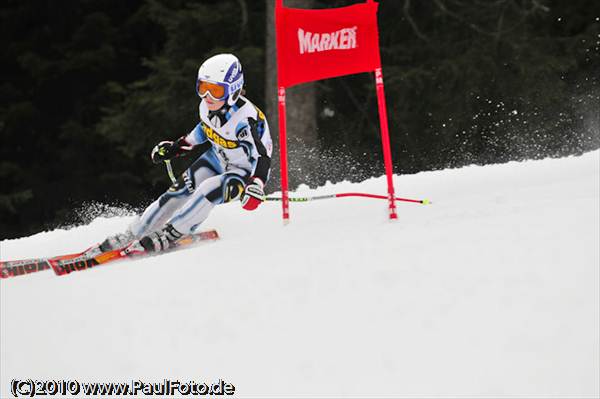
240 148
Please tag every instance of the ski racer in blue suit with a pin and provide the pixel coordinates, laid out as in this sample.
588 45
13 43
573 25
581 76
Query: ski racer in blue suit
235 164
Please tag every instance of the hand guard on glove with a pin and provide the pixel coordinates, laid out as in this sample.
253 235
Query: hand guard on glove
168 150
254 194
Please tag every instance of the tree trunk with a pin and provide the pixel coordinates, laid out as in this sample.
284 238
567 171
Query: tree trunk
301 114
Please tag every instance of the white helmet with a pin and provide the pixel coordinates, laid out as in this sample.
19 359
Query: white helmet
221 77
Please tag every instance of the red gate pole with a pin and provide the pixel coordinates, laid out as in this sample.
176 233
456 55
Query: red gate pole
285 203
385 141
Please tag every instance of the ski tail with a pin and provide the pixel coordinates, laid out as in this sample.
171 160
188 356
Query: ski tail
14 268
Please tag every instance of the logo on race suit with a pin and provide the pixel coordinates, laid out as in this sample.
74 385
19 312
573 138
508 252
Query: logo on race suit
213 136
243 134
189 183
343 39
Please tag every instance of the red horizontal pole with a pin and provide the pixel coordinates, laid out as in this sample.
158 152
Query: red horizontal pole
379 197
340 195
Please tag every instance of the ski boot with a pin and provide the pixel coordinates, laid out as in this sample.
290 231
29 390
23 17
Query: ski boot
156 241
117 241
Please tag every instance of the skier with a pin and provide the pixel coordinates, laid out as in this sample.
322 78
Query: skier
235 163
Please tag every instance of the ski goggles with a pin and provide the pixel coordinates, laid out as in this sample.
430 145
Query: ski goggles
217 91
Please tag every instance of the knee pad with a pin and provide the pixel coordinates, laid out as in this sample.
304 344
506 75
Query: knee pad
231 189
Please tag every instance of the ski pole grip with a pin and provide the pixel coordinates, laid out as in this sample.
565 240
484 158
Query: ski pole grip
170 171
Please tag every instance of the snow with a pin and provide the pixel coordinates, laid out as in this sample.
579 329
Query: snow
492 291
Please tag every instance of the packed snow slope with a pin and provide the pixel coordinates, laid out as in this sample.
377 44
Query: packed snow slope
492 291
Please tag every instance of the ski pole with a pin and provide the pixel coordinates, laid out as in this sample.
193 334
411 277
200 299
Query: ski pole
340 195
170 171
316 197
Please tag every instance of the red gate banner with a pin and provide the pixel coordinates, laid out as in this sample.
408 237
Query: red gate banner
320 44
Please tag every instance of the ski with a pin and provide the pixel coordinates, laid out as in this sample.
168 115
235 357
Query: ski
14 268
21 267
63 267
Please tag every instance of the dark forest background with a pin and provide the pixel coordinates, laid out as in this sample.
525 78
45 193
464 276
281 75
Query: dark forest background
89 87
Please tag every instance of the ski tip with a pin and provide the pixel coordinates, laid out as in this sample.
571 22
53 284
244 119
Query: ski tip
426 202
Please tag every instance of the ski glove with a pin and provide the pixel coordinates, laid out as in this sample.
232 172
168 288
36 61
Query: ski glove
254 194
168 150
